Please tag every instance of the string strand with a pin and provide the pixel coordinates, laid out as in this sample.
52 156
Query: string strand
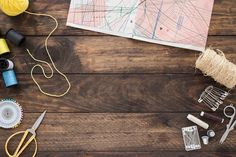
44 62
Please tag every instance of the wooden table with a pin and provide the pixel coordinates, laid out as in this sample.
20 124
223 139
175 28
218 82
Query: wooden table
128 98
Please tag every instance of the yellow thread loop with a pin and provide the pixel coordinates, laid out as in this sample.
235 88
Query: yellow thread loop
44 62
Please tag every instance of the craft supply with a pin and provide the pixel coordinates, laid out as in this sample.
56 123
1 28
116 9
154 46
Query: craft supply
231 124
6 64
13 7
198 121
20 148
16 7
212 117
15 37
11 113
155 21
213 97
211 133
191 138
3 64
9 78
3 47
214 63
205 140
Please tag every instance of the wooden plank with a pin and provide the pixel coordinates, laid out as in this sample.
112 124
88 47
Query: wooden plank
114 93
115 132
223 19
91 55
132 154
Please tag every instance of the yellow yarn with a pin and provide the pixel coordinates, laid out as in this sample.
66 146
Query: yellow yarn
14 7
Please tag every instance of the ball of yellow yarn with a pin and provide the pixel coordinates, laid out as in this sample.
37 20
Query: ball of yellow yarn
14 7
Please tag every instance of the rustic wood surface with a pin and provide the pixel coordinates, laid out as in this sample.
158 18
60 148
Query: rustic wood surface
128 98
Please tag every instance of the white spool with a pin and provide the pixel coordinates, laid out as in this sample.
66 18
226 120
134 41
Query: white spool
198 121
11 65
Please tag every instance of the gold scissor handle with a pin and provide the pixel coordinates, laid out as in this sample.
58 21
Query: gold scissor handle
19 150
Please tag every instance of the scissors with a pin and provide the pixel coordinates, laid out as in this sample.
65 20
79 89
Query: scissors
32 130
231 124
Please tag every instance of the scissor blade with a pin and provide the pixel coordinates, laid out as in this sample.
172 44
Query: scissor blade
223 138
38 121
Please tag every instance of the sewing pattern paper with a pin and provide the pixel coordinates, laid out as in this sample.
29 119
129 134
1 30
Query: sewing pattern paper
178 23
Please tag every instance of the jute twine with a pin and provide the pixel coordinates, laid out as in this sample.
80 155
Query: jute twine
214 63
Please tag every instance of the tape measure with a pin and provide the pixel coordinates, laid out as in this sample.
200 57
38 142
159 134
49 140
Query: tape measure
11 113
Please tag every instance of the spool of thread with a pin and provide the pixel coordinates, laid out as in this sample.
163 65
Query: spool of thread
214 64
9 78
198 121
6 64
3 47
15 37
212 117
14 7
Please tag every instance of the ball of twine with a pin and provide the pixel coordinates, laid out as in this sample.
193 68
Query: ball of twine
214 64
14 7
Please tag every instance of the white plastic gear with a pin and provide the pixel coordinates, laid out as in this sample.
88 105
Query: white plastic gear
11 113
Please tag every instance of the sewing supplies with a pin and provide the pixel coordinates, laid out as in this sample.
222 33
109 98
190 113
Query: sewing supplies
20 148
3 47
198 121
191 138
11 113
231 124
3 64
16 7
6 64
205 140
9 78
14 37
211 133
155 21
214 63
212 117
213 97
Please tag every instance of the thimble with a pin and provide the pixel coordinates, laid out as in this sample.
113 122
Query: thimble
205 140
15 37
211 133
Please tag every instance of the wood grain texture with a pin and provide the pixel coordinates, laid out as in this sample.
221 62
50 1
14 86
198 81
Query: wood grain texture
223 19
128 98
133 154
116 132
114 93
90 55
